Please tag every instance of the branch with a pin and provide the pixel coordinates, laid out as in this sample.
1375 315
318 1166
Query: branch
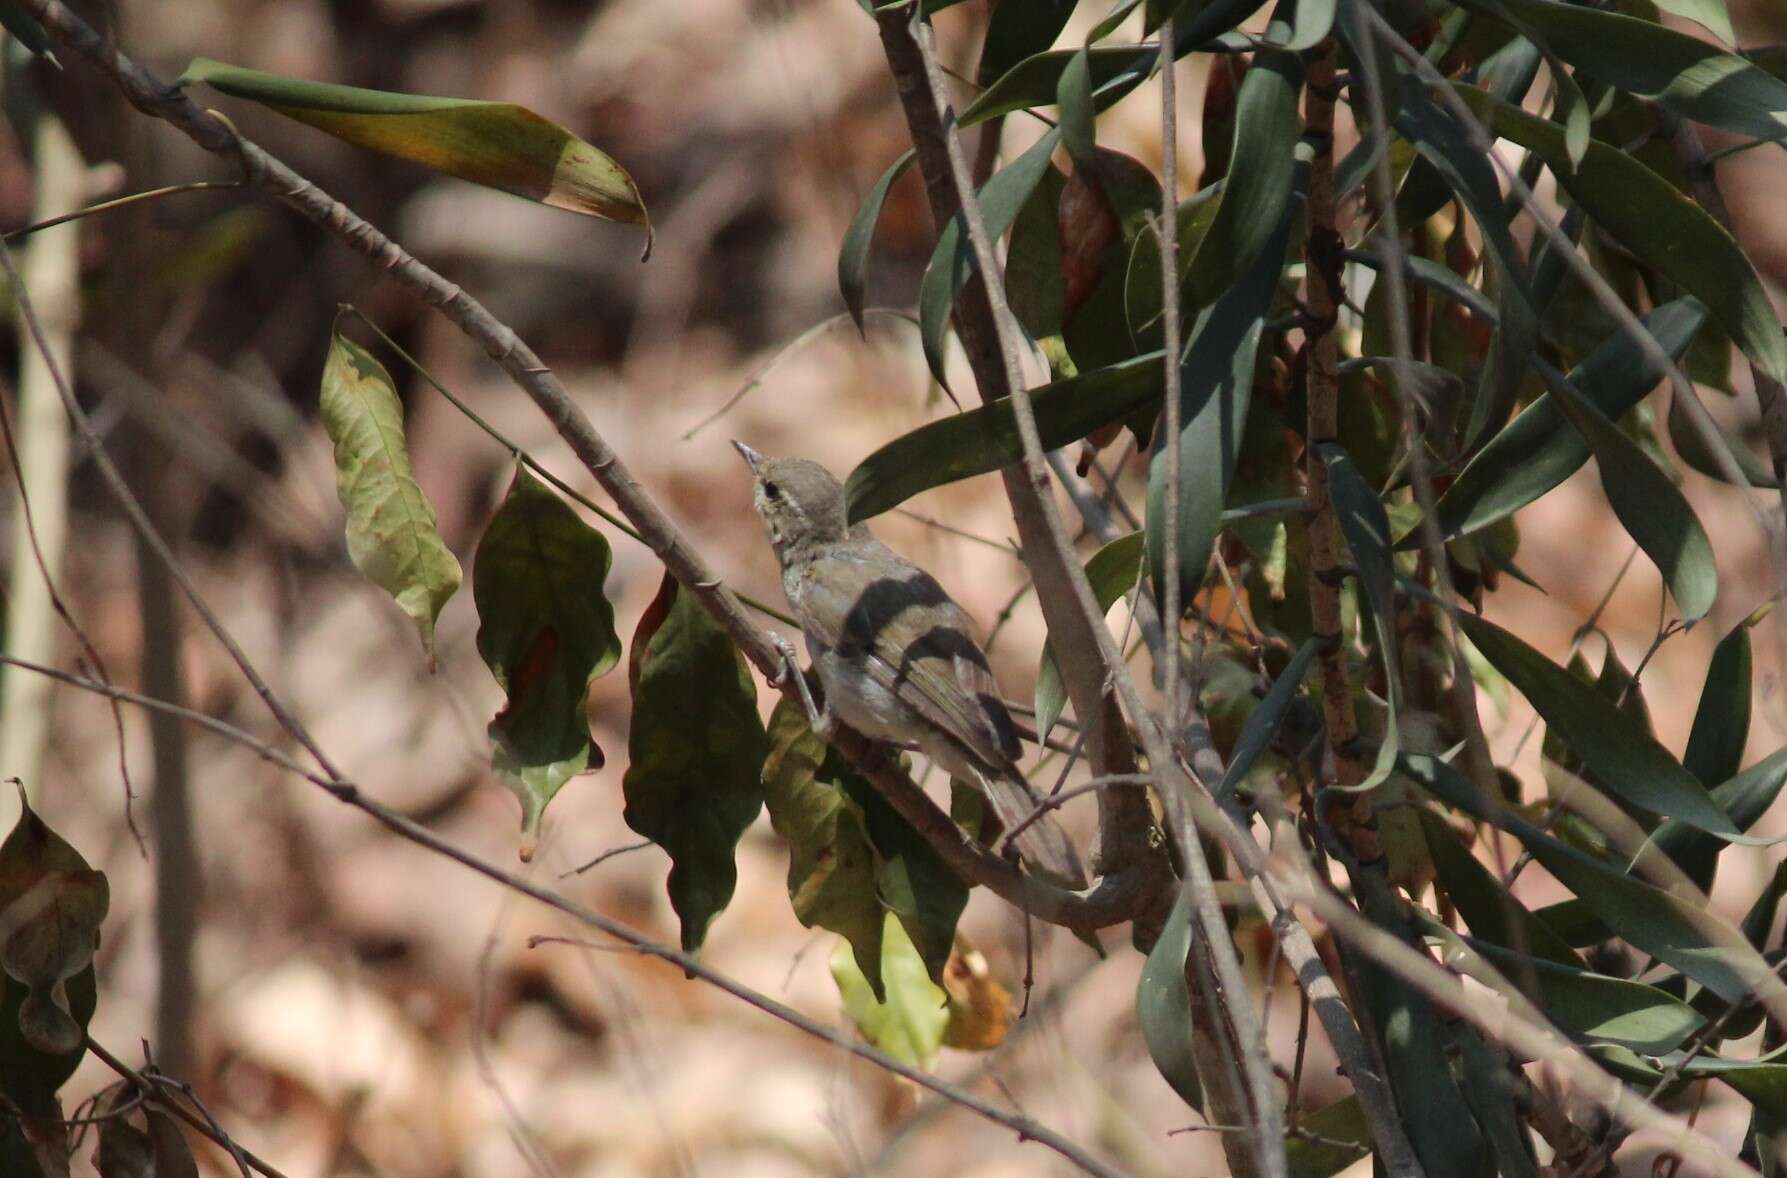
1117 898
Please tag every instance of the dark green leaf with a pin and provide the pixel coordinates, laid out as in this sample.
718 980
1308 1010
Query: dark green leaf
952 261
1073 97
1493 914
985 438
853 254
497 144
1744 797
831 865
1674 930
1366 527
1647 503
1593 1007
391 532
1163 1005
1721 729
1627 761
1489 1091
1112 572
911 878
695 753
1019 29
24 26
1216 387
1646 214
1297 25
1759 921
1115 71
1538 450
1262 723
1033 261
1695 450
1335 1138
546 631
1435 277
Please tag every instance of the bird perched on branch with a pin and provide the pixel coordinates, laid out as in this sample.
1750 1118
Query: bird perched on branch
895 654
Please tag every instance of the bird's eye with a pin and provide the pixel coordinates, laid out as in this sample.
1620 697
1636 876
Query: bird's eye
771 491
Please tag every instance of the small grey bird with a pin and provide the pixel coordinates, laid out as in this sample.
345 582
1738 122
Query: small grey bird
895 654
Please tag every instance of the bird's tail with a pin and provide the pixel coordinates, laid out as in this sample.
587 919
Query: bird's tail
1042 844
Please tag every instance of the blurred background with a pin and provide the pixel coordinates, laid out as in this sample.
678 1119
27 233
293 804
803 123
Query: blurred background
352 1005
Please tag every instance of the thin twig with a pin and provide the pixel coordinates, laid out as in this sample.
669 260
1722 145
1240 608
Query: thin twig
121 202
1168 226
205 1125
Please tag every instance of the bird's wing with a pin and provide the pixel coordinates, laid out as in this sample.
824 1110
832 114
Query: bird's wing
870 597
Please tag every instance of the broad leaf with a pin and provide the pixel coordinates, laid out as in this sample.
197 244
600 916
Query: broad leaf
391 532
1163 1005
497 144
1018 31
911 878
695 753
911 1023
831 864
546 631
1111 572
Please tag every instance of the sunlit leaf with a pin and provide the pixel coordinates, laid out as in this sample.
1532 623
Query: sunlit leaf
546 631
695 753
391 532
913 881
497 144
911 1023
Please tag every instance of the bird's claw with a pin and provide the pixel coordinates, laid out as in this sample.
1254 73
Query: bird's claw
819 719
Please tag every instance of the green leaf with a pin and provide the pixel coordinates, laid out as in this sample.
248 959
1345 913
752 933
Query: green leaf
1722 721
23 26
1435 277
1645 213
496 144
1258 189
1111 572
952 261
911 878
1163 1005
545 631
1331 1140
1262 723
1745 797
391 533
1494 914
1710 13
853 254
909 1025
1674 930
1596 1008
1366 527
1297 25
1489 1091
831 864
1073 95
1017 31
1647 503
51 908
1216 387
1624 758
1694 449
1537 450
985 438
695 752
1115 71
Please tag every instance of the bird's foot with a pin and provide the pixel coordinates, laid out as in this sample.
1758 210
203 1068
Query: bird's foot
820 719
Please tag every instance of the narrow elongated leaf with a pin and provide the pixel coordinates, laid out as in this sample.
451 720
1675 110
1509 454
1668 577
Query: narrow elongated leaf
985 438
1262 723
1495 916
910 1024
1073 97
1708 458
853 254
545 631
1596 1008
1745 797
23 26
1297 25
1646 214
1366 527
497 144
1648 505
1115 71
695 753
1216 388
831 865
1710 13
1538 450
1437 278
1258 189
1018 31
1163 1005
1489 1091
391 533
952 261
1676 931
1111 572
1625 759
1721 729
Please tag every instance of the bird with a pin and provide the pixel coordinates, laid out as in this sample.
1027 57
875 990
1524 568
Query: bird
895 653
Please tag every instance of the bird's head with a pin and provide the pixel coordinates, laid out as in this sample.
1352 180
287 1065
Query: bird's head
801 503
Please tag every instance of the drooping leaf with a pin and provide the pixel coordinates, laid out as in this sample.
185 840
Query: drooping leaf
985 438
546 631
853 254
1073 99
831 864
1032 82
1111 572
1722 721
1262 723
1163 1005
173 1156
497 144
1646 213
980 1006
1648 505
1437 278
1674 930
911 878
1538 450
51 907
1216 388
695 753
124 1151
391 533
911 1023
1626 760
1366 527
952 261
1745 797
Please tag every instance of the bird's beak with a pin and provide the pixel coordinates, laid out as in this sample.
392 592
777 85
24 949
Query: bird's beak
751 456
